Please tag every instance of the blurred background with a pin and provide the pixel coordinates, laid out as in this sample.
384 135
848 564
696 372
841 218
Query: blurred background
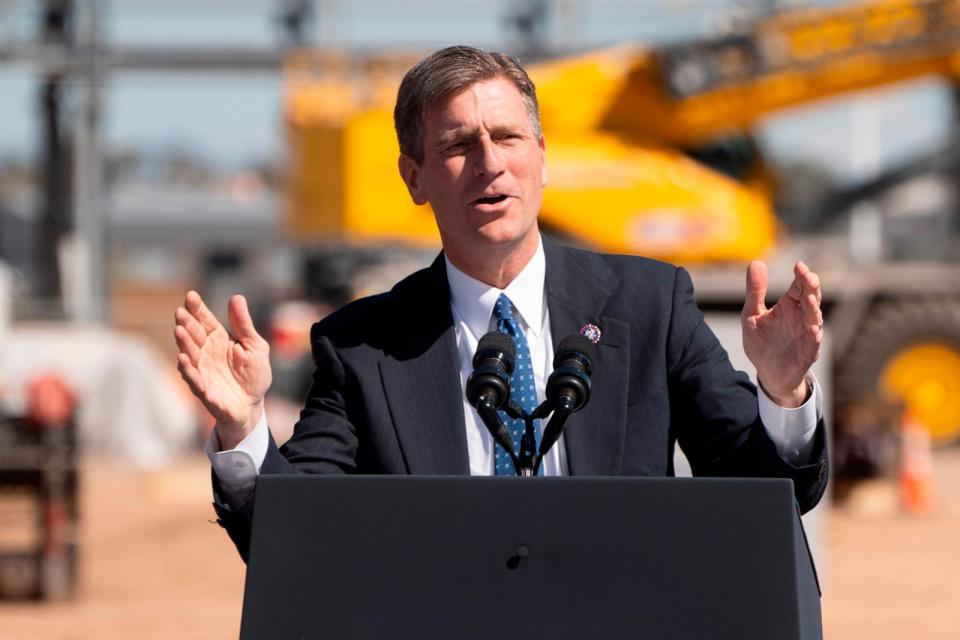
149 147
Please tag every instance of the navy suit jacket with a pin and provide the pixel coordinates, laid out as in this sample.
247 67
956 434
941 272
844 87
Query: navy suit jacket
386 394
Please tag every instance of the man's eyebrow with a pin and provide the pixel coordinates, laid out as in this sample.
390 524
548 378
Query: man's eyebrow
463 134
508 127
456 135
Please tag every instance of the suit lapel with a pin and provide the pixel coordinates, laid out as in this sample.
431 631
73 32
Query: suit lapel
576 296
421 372
421 376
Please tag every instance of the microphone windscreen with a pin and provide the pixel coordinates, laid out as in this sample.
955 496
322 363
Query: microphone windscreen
496 341
499 346
577 344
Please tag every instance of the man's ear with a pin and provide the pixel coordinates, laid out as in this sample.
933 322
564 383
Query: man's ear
410 172
544 177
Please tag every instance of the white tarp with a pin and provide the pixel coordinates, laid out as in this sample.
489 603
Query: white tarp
131 404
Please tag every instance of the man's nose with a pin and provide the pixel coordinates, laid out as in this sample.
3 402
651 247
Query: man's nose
488 161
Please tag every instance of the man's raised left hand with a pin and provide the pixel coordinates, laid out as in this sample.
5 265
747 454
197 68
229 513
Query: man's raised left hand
784 341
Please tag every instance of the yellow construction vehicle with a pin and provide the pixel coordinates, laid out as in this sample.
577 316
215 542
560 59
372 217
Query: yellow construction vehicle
630 133
655 200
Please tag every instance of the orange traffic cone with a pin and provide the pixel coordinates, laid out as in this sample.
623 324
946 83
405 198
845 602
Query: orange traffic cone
917 484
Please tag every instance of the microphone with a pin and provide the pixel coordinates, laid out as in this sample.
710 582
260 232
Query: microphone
489 384
568 387
488 387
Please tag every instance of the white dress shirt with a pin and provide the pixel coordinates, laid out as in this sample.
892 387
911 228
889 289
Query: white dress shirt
471 303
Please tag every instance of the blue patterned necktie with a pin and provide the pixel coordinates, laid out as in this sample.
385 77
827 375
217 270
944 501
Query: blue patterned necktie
522 389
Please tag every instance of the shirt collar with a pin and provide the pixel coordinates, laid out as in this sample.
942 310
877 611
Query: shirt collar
474 300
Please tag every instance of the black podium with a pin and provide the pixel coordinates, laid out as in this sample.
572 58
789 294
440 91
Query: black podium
460 558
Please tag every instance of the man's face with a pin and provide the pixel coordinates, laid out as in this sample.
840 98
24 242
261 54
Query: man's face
483 170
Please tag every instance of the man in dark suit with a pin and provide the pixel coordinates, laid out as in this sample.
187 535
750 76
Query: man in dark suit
387 394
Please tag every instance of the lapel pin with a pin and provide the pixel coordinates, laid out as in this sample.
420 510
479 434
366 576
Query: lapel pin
591 332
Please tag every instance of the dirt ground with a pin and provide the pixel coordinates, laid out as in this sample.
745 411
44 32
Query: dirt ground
154 567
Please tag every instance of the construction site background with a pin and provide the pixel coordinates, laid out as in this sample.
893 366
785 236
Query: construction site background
148 148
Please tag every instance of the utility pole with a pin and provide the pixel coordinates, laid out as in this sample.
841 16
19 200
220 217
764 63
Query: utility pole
70 252
86 300
55 31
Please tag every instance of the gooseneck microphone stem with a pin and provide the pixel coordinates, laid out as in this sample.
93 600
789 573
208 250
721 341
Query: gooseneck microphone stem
513 410
551 434
530 458
542 411
487 410
528 443
528 461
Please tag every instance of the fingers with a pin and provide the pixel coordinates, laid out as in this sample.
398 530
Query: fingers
756 289
812 314
240 320
187 345
795 292
190 325
190 336
190 375
808 279
194 304
804 282
814 345
186 320
810 296
810 306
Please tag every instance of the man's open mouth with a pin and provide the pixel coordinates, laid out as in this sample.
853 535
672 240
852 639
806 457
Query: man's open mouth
490 199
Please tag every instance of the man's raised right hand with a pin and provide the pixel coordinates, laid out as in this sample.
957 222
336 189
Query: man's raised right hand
230 374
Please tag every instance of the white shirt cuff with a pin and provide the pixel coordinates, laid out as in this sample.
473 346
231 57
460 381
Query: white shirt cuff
792 430
237 468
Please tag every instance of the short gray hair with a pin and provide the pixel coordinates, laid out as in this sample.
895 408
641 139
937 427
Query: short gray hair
444 73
